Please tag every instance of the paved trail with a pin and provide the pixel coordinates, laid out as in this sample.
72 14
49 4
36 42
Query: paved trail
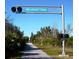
32 52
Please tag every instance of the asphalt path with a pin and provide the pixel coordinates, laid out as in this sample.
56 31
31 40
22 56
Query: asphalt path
30 51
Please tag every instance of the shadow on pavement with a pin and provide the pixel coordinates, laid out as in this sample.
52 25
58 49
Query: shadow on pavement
29 47
26 54
39 58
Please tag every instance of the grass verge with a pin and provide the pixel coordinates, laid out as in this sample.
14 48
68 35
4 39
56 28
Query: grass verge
55 51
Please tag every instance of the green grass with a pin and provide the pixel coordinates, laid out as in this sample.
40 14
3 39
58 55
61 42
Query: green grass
55 51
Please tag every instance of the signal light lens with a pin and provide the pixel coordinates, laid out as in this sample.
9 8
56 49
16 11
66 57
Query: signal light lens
19 9
13 9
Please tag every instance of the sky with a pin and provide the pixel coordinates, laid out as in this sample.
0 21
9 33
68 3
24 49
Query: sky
29 23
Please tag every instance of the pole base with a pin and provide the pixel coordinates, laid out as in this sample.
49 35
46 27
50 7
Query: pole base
63 55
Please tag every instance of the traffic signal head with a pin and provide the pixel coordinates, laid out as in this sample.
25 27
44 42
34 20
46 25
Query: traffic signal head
63 35
19 9
16 9
13 9
60 35
66 36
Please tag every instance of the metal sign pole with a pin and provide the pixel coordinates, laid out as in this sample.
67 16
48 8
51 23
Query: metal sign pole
63 28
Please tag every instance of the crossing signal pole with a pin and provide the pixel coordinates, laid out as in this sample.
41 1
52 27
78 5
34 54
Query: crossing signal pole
63 35
63 32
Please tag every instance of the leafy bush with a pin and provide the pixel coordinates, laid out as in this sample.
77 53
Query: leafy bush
14 40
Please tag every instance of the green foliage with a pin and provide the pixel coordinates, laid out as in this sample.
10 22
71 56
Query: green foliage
14 39
69 42
49 36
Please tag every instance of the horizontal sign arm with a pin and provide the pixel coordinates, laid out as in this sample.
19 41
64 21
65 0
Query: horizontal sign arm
43 6
40 12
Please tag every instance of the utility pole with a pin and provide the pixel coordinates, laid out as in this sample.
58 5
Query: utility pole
63 32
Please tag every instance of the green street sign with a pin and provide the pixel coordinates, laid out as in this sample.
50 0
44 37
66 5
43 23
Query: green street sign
36 9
